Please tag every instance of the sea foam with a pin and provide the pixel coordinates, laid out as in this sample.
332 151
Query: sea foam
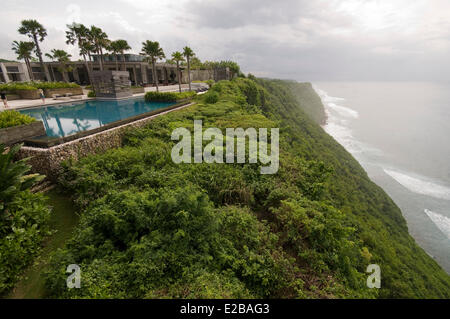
442 222
338 117
420 185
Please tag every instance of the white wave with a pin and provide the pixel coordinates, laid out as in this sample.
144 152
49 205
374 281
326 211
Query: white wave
420 185
442 222
337 124
343 111
325 97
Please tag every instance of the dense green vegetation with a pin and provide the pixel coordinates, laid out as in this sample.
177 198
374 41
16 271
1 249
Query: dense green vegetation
62 221
23 217
153 229
197 64
168 96
13 87
9 118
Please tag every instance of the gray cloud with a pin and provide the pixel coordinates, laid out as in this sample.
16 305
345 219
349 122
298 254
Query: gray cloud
297 39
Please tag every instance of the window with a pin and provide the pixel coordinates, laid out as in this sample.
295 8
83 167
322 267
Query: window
12 69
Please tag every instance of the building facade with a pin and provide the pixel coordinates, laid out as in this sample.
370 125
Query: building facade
141 72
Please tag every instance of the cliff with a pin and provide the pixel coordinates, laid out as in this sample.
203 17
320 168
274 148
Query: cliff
153 228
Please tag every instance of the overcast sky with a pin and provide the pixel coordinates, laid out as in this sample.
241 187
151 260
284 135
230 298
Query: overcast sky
296 39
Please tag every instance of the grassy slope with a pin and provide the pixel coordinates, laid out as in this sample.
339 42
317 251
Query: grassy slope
309 231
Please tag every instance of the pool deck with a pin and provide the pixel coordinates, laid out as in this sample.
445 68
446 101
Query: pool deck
22 104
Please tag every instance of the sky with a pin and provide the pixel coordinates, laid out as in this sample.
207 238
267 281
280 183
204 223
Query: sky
307 40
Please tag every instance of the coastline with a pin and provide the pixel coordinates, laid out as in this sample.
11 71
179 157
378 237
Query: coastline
421 199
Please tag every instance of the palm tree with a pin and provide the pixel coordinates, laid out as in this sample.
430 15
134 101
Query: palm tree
178 57
23 51
119 47
37 32
62 57
79 33
188 54
153 52
123 46
51 57
100 41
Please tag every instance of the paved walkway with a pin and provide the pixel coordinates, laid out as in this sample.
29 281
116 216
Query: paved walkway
20 104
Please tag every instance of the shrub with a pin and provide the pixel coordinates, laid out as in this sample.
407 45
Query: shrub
14 87
211 97
210 83
23 217
11 118
91 94
168 96
53 85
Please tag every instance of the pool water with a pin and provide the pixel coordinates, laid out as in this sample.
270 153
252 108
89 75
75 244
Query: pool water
65 120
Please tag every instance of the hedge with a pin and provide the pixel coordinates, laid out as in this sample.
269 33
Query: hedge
11 118
168 96
14 87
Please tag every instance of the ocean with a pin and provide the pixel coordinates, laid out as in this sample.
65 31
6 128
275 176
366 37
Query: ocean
400 133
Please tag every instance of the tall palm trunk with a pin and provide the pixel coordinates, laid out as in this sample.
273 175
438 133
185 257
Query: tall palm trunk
53 73
123 60
39 53
155 75
64 72
30 70
179 76
100 58
88 69
189 72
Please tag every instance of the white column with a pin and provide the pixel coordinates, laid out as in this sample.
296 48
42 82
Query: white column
23 69
5 73
144 73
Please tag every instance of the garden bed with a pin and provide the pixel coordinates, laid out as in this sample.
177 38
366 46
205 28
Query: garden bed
30 90
74 91
16 134
28 94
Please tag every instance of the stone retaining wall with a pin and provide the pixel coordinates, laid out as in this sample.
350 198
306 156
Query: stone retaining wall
47 161
15 134
74 91
28 94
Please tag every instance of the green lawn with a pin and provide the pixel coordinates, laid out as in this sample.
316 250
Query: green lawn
63 221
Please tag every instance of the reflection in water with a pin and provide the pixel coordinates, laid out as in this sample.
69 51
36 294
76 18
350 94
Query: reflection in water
65 120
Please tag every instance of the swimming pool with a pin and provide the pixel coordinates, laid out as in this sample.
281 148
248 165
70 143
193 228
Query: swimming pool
66 120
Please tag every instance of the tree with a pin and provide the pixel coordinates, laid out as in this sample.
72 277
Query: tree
100 41
78 33
178 57
119 47
188 54
13 175
153 52
23 51
37 32
63 58
48 55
